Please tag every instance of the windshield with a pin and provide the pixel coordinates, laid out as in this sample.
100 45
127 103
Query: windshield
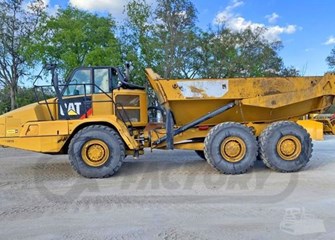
80 83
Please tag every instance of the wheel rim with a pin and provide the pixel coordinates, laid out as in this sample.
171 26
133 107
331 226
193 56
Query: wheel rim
289 147
95 153
233 149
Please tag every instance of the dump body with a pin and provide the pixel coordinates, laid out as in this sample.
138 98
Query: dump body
258 100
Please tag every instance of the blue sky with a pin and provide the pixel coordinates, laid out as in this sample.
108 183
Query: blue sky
306 27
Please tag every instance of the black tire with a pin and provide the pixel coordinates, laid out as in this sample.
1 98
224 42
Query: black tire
270 144
224 132
200 154
114 154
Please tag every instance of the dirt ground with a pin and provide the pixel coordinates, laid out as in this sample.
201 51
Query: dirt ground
165 195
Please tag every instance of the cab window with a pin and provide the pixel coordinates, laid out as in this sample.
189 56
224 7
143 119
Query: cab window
115 78
80 81
101 80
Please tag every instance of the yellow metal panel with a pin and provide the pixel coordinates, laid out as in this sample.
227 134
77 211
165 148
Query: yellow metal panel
152 78
46 128
2 129
190 146
50 144
260 100
314 128
141 108
13 126
54 128
32 130
110 119
193 133
102 104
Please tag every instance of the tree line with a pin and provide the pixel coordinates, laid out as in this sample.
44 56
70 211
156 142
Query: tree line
165 37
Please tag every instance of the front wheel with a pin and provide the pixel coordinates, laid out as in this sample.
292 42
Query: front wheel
96 152
231 148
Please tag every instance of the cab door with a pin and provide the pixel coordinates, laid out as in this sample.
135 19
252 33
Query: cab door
76 100
103 87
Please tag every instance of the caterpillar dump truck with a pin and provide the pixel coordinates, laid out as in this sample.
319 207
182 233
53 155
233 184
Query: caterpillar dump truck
98 118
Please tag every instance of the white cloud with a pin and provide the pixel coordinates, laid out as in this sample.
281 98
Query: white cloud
227 14
115 7
237 23
272 18
99 5
330 41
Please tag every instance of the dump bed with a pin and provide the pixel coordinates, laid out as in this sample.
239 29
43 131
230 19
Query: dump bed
258 99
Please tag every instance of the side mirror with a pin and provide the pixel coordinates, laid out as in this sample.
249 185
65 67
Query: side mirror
129 68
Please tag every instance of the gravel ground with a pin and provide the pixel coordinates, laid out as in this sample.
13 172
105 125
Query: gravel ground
165 195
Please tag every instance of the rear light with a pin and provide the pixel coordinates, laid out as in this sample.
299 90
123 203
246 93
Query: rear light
203 128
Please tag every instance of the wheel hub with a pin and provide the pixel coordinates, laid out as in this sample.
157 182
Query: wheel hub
233 149
95 153
289 147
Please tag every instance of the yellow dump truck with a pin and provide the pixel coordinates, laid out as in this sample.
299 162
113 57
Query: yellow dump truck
98 117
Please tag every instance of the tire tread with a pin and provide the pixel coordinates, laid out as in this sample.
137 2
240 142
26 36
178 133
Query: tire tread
78 135
265 135
210 136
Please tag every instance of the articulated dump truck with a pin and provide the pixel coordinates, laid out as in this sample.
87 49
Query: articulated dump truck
98 118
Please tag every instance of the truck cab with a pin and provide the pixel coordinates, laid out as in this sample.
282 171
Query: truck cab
94 91
89 95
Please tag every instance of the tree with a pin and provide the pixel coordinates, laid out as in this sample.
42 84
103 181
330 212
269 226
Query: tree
224 53
75 38
18 23
138 43
217 54
25 96
164 38
4 100
176 29
331 59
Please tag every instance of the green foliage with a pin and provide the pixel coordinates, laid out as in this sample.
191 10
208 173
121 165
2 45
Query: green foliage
138 44
177 32
238 54
75 38
4 100
18 23
25 96
331 60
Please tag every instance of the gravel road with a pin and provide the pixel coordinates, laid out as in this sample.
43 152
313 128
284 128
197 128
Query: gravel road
165 195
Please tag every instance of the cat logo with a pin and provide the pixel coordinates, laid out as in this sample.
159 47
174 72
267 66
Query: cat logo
72 112
73 109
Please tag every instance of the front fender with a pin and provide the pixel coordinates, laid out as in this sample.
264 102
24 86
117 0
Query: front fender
111 121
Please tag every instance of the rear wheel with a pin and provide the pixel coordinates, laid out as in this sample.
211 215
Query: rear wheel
231 148
285 146
96 152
